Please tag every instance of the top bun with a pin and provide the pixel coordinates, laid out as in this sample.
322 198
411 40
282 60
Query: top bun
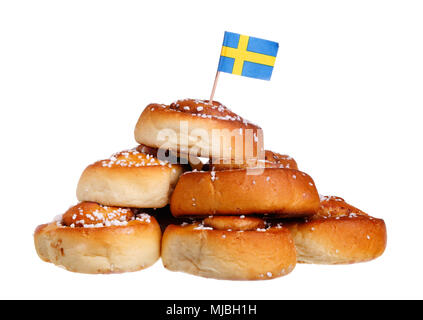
201 128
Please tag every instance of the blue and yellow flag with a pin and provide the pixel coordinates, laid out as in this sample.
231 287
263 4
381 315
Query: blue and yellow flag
248 56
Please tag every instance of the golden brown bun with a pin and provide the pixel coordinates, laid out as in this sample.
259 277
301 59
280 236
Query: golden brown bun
125 246
271 160
234 223
286 192
85 213
277 160
338 234
228 254
159 126
129 179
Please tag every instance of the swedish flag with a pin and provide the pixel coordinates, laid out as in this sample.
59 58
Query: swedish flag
248 56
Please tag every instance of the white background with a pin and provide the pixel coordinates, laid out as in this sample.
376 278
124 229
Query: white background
345 101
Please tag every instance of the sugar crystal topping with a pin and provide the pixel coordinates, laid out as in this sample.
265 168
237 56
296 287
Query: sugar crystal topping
213 176
336 207
93 215
202 227
133 158
206 110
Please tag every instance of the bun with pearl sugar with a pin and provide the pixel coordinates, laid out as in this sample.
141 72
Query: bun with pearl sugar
229 247
200 128
227 208
131 178
91 238
338 234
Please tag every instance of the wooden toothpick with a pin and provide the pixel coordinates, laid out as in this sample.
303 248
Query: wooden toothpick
214 87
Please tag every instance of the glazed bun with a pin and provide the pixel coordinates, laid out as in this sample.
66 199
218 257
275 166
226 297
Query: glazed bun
236 253
131 178
285 192
91 238
270 160
338 234
200 128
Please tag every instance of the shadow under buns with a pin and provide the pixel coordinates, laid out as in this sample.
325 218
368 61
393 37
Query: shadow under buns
165 218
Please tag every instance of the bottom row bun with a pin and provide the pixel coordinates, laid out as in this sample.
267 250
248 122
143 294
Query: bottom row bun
92 238
338 234
232 248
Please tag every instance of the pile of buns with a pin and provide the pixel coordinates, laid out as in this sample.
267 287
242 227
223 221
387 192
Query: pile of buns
201 192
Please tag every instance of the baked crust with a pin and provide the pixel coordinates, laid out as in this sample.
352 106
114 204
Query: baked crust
199 128
130 246
271 160
338 234
284 192
229 254
129 179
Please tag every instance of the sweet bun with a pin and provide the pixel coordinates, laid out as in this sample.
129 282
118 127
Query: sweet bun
277 160
241 252
200 128
91 238
270 160
241 223
131 178
338 234
285 192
